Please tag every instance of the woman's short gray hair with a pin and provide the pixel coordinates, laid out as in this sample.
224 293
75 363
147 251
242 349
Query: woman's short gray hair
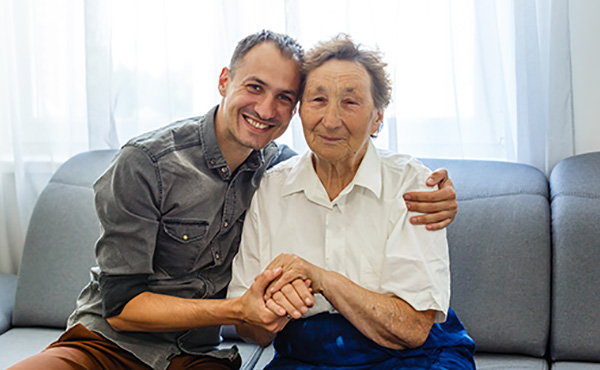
341 47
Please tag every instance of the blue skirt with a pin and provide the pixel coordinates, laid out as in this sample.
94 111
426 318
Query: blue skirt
328 341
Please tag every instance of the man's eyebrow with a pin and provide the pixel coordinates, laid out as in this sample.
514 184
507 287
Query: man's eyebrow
258 80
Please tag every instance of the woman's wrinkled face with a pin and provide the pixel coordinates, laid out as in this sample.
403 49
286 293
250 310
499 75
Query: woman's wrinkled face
337 111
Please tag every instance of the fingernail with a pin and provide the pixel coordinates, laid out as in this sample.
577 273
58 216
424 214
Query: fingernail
408 206
307 300
430 181
406 197
413 219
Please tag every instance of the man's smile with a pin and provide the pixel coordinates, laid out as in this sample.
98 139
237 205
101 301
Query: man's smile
256 124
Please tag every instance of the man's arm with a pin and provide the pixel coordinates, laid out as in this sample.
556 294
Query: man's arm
155 312
388 321
439 206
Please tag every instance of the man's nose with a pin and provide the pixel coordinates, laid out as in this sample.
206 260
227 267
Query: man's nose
266 108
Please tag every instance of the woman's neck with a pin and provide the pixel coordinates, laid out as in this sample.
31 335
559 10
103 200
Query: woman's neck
335 175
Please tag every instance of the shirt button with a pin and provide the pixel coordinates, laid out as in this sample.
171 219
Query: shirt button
225 224
185 237
212 161
223 169
217 256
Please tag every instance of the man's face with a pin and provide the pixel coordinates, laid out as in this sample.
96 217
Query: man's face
259 98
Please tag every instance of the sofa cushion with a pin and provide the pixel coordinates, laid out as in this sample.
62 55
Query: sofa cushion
19 343
8 284
575 366
575 189
500 254
502 362
50 278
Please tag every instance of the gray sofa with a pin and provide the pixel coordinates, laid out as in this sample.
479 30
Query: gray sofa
525 255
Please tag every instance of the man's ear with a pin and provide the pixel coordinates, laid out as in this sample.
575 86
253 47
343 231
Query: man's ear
224 79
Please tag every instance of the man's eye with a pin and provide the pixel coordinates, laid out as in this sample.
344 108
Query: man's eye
286 98
254 87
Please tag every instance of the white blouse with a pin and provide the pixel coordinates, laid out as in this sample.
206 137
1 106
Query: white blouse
364 233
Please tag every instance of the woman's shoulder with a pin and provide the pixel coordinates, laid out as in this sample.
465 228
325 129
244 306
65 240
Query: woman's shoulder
405 163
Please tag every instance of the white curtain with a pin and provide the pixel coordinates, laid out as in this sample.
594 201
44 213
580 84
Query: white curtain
482 79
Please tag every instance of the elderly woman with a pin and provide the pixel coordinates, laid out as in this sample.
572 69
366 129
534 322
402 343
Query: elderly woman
334 222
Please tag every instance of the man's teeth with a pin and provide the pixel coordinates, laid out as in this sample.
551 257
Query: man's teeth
256 124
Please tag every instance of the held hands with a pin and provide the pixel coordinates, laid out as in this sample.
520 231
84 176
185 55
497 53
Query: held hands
439 206
289 299
255 309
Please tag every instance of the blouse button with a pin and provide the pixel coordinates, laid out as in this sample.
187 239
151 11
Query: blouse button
185 237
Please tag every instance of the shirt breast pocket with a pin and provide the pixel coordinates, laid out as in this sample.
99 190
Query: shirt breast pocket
180 242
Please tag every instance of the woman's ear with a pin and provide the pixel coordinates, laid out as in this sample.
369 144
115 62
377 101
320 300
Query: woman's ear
377 122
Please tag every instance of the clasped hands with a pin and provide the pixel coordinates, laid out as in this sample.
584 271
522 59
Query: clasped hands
283 291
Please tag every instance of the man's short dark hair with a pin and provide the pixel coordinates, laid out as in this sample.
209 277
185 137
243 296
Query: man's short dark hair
288 47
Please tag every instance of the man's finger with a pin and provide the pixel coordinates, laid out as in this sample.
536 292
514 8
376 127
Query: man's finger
265 278
446 193
447 205
437 177
444 217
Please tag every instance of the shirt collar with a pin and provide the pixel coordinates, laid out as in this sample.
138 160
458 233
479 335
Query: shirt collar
212 153
303 177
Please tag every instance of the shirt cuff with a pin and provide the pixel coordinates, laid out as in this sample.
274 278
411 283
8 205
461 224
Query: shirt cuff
117 290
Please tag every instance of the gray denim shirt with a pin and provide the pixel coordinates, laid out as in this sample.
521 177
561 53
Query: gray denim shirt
172 212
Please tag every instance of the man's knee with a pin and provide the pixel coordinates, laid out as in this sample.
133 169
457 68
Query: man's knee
51 359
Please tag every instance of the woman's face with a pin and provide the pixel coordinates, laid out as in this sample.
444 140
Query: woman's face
337 111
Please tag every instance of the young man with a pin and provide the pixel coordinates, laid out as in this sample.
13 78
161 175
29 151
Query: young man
171 207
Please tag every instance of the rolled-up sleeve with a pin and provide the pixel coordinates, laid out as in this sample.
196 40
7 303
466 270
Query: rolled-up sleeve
127 200
416 265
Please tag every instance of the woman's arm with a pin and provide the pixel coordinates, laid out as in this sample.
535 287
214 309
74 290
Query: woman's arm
388 321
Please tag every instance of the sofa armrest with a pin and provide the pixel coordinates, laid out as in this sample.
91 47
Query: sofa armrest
8 287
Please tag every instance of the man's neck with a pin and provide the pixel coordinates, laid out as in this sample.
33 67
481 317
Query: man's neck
235 154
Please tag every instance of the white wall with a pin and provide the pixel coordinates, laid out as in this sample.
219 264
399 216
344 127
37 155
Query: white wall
585 53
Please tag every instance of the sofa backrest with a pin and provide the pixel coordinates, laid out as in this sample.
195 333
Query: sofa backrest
51 277
575 189
500 254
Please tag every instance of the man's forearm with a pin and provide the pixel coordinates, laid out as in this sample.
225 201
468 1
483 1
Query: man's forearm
388 321
255 334
159 313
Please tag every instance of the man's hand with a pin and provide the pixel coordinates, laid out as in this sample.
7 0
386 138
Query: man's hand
439 206
255 310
